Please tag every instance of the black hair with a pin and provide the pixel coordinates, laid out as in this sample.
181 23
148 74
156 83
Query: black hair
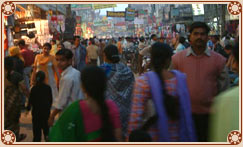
119 38
199 24
111 53
216 37
235 52
141 38
153 35
66 53
227 37
40 77
47 45
228 47
63 47
160 59
162 38
92 40
74 38
94 80
21 42
139 136
53 40
182 39
8 65
84 42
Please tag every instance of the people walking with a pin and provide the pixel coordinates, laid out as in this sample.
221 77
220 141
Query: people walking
13 85
29 58
225 109
69 85
161 103
18 59
79 54
92 53
119 84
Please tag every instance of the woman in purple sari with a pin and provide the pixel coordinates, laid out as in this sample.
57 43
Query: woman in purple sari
161 101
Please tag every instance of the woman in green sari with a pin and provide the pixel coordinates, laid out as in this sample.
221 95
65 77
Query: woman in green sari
91 119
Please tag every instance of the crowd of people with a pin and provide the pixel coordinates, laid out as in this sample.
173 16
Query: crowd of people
81 90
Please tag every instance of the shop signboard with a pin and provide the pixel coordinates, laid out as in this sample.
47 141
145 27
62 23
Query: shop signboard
198 9
131 27
76 7
122 23
175 12
115 14
130 14
78 19
136 14
138 21
142 12
100 23
198 18
186 12
104 28
103 6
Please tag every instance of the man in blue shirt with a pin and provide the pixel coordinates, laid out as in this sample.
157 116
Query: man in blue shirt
79 54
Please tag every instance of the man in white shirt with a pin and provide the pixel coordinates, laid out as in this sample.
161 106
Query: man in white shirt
69 86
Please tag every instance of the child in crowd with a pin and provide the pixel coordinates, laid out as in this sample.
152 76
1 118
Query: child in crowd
40 100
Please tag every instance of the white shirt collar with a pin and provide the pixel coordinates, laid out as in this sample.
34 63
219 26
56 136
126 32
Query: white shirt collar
190 51
66 70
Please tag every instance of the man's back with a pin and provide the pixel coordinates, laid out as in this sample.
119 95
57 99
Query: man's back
28 56
92 51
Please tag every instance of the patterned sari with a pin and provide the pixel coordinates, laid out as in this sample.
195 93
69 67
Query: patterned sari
119 89
12 103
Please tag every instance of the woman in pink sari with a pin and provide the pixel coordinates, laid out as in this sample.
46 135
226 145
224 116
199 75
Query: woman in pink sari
91 119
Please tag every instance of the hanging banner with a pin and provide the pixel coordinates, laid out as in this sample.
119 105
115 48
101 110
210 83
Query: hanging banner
103 6
130 14
115 14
